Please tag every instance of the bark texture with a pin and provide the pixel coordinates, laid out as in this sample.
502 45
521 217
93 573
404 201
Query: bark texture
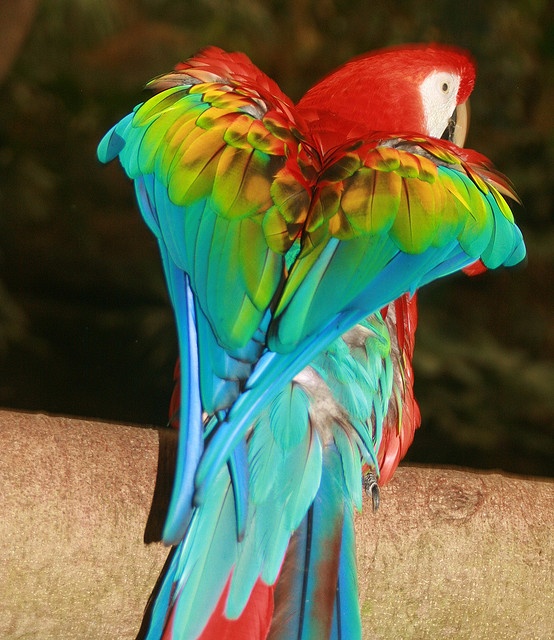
450 554
458 554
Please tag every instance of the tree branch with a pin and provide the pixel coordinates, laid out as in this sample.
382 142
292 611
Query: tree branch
449 554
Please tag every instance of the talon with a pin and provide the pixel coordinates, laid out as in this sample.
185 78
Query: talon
372 489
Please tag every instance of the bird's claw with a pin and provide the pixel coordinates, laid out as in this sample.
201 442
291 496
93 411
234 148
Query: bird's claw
372 489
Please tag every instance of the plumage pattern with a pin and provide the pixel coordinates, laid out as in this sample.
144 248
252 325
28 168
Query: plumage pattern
293 239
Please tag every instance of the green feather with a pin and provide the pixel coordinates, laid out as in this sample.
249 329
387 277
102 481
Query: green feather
371 199
260 269
149 111
192 178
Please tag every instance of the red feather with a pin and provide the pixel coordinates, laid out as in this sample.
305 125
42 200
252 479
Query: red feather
401 422
254 622
381 109
175 400
475 268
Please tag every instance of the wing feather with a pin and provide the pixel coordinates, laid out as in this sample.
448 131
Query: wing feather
345 272
409 195
204 158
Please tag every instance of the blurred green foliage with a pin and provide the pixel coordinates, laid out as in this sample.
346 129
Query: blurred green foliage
85 326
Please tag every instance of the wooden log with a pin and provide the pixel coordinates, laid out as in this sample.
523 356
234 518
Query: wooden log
450 553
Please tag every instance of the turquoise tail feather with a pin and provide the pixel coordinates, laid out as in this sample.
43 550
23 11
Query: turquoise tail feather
317 594
346 616
191 440
162 602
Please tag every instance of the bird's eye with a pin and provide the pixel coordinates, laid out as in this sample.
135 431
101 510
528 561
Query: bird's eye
445 87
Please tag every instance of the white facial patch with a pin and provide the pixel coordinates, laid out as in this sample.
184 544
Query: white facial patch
438 95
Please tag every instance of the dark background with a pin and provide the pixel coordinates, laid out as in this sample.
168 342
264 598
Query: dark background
85 326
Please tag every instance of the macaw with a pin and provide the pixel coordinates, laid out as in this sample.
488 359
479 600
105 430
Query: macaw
293 239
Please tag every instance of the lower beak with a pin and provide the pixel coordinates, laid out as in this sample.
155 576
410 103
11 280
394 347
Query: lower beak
459 124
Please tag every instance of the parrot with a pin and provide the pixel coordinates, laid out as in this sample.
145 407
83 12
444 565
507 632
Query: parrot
294 238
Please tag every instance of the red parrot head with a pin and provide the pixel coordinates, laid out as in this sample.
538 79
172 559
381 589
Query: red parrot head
419 89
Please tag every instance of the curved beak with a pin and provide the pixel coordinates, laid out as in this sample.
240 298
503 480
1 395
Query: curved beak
458 125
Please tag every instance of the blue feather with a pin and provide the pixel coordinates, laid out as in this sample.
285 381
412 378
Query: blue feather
346 617
191 438
308 588
113 142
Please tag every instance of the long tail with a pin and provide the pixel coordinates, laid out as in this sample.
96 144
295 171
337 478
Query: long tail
317 594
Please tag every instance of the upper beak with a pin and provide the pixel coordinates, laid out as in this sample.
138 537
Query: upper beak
458 125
